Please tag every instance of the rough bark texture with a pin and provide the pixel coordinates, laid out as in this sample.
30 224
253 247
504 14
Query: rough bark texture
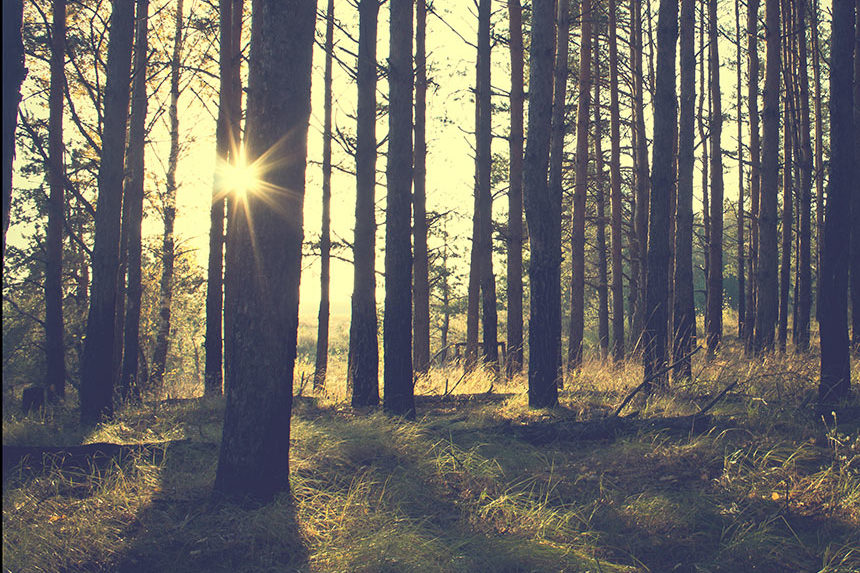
602 279
833 322
577 241
755 168
766 277
363 373
544 230
662 180
397 324
684 315
321 363
615 193
55 379
804 268
421 270
266 258
14 73
168 256
515 195
134 200
714 311
97 372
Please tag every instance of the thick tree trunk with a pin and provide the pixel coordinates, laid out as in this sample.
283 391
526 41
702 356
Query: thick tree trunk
266 258
684 308
421 272
515 195
397 324
833 323
14 73
168 256
129 386
363 374
321 362
714 312
615 193
804 267
602 278
855 205
755 167
544 226
766 276
97 364
577 241
55 380
741 218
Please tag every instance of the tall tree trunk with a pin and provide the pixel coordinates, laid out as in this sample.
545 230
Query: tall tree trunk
662 180
684 307
819 153
833 323
397 324
787 191
134 200
363 370
602 279
14 73
615 193
162 336
515 195
855 205
544 226
766 277
254 457
704 96
321 363
54 348
741 216
755 167
421 270
96 391
577 241
714 312
804 267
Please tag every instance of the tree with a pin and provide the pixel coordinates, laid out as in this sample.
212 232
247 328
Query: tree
662 180
421 263
855 205
577 256
755 168
397 323
14 73
684 315
714 312
96 390
321 361
54 347
515 195
741 218
804 286
265 254
787 183
602 280
615 193
766 279
833 291
363 369
819 147
544 226
133 202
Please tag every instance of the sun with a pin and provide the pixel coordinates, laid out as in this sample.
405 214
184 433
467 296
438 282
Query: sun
238 178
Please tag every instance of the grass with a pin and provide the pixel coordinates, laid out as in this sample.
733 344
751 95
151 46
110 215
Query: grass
769 487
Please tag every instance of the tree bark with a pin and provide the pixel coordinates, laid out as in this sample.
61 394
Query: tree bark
321 362
363 373
704 97
254 457
741 218
97 363
755 168
804 283
397 324
855 205
14 73
615 193
602 279
421 270
134 200
819 152
515 196
787 183
714 312
544 229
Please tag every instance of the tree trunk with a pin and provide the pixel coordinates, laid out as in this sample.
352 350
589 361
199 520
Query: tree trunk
704 96
804 283
254 457
162 336
397 324
819 153
129 386
855 205
515 195
363 373
714 312
421 271
787 194
684 308
96 391
662 180
741 216
755 167
766 277
577 242
54 348
544 226
615 193
602 279
833 323
14 73
321 363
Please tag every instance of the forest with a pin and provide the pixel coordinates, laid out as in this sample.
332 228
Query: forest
431 285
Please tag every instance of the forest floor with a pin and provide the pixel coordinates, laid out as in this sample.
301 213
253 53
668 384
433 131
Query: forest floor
478 483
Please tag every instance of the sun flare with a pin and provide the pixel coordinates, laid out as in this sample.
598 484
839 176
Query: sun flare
239 178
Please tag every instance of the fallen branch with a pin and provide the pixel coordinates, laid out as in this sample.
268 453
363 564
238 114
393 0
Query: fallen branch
649 380
716 399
